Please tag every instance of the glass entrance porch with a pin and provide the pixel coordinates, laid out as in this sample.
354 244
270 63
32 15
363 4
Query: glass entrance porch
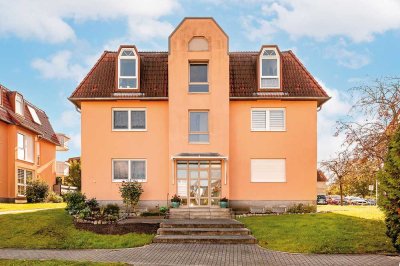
199 182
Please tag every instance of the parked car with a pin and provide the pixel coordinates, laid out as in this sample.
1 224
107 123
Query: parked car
333 199
371 202
321 200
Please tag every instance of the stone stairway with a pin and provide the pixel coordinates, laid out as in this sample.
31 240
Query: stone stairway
200 213
211 231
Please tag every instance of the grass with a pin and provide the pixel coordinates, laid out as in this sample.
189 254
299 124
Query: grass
55 263
349 229
54 229
29 206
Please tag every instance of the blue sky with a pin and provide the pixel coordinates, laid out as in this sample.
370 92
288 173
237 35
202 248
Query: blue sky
47 47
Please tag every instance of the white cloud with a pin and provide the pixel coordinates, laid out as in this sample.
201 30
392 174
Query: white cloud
75 140
338 106
358 20
59 66
50 21
69 119
346 57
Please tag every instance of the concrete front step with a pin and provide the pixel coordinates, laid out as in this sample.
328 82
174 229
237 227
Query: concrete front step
203 231
201 223
200 213
231 239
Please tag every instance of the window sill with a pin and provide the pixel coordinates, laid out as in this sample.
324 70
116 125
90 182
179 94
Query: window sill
284 130
201 143
129 130
120 181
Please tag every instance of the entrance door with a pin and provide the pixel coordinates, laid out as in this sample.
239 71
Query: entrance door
199 182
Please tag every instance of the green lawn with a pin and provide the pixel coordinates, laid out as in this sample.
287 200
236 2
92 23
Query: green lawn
54 229
55 263
29 206
348 229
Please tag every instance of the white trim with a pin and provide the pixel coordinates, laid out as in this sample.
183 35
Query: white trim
25 148
199 132
34 115
199 83
267 118
25 180
278 67
129 110
21 101
136 68
129 170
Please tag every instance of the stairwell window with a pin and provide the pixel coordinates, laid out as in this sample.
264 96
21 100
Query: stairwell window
268 119
127 69
19 104
198 77
269 69
198 127
23 178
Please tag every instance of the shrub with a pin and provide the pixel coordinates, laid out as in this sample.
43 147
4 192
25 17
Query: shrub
163 210
130 193
53 197
389 200
93 204
36 191
74 177
75 202
110 212
146 214
302 208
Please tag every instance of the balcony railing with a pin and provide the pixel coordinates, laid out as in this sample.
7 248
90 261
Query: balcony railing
62 169
63 139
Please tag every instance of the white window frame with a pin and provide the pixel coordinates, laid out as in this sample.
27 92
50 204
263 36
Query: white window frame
268 181
34 115
129 170
200 132
17 98
267 118
129 119
25 148
278 67
120 56
25 181
200 83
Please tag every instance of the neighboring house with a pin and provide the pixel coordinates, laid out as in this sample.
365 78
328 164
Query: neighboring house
27 146
322 185
201 122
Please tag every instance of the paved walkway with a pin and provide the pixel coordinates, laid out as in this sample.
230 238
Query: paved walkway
199 254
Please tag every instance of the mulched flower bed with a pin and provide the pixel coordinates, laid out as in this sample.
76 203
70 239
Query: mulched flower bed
119 229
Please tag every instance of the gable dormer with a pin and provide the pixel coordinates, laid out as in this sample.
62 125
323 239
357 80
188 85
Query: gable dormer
127 68
17 102
270 68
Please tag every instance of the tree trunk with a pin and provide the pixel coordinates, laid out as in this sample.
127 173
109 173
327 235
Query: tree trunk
341 191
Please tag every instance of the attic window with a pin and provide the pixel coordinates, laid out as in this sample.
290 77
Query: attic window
198 44
269 69
19 104
127 69
34 115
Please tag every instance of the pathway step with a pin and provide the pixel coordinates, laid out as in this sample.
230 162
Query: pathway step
231 239
201 223
203 231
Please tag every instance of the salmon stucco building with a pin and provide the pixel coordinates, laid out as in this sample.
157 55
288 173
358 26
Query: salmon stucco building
201 122
28 146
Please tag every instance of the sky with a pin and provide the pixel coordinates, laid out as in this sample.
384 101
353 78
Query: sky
47 46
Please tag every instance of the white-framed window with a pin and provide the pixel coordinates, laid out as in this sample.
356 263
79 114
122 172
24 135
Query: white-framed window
268 119
269 68
129 170
198 127
198 77
129 119
127 69
268 170
24 147
19 104
23 178
34 115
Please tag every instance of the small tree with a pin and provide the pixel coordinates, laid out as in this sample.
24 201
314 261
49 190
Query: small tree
74 176
130 193
389 200
339 167
36 191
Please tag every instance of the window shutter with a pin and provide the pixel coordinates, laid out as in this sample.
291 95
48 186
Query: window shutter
276 120
268 170
258 120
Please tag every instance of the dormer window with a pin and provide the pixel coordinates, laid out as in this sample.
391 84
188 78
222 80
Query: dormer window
269 69
127 69
19 104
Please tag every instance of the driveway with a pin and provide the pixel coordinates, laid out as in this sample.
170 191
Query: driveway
199 254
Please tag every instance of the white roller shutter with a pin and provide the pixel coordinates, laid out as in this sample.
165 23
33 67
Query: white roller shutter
268 170
268 119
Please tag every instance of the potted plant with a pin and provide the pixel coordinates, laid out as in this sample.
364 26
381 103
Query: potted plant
175 201
223 203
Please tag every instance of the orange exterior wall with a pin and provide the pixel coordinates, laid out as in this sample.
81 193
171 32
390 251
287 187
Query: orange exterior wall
298 145
4 160
216 101
100 145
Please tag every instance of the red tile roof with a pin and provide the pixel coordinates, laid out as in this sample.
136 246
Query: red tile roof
8 115
297 81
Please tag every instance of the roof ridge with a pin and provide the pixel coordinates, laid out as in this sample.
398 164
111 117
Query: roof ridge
307 72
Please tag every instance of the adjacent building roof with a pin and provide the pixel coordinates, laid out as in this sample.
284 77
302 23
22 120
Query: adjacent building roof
321 176
8 115
297 81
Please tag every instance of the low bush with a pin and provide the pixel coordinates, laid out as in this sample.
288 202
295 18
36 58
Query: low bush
36 191
75 202
302 208
163 210
130 194
53 197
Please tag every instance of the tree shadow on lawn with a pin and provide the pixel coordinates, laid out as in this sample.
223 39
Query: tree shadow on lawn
320 233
